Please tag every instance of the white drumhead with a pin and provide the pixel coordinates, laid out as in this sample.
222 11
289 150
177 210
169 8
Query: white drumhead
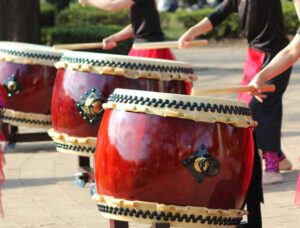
28 53
128 66
204 109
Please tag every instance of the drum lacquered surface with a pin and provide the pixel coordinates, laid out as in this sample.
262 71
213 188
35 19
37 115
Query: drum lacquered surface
140 157
35 84
71 85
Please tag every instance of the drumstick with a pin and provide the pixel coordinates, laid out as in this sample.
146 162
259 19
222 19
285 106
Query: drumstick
78 46
167 44
230 90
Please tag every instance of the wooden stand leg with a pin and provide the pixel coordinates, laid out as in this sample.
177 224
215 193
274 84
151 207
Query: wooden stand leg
12 135
83 162
160 225
118 224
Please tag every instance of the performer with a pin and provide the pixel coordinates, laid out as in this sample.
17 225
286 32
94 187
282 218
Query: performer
144 27
262 24
285 59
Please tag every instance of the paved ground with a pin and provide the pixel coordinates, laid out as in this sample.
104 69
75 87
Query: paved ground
39 191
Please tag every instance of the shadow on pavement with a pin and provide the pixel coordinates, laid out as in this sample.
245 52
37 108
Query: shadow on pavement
32 182
30 147
291 133
289 184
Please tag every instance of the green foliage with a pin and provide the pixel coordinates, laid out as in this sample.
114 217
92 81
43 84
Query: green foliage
77 24
228 28
83 34
78 15
291 20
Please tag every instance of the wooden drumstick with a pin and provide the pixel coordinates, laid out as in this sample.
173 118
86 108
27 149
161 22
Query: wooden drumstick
231 90
78 46
167 44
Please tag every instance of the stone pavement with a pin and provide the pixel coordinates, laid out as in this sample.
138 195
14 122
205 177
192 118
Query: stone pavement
39 190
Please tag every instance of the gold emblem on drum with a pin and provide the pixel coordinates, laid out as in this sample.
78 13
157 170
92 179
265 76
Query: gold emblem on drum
12 86
90 106
201 164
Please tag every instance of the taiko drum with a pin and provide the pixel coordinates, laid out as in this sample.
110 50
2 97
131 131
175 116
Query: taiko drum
84 82
180 159
27 76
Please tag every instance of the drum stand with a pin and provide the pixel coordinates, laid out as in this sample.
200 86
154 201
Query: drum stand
85 174
12 135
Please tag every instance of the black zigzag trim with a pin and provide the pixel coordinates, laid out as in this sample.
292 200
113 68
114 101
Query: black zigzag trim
170 217
154 102
128 65
28 121
89 150
30 55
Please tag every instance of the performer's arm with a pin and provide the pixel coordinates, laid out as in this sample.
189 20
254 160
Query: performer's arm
281 62
208 23
108 5
111 41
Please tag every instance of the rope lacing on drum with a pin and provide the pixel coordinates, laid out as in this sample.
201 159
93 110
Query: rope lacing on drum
128 65
199 106
27 121
76 148
162 216
30 55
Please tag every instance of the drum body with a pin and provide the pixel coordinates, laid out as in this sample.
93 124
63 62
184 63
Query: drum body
27 74
148 155
77 103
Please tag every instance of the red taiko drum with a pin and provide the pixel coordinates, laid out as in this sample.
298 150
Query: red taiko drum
85 80
27 74
178 159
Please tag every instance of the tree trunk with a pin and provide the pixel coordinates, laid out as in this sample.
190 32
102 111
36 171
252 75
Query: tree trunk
19 20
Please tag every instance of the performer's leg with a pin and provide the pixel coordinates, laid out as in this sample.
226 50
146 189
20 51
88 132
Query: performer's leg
255 193
268 132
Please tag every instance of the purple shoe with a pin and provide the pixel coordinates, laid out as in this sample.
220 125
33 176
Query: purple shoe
272 161
272 174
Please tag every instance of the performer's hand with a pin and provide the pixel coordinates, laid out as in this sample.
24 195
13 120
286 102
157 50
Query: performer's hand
184 40
109 43
258 93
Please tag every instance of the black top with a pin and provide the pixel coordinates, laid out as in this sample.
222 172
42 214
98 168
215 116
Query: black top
262 22
145 21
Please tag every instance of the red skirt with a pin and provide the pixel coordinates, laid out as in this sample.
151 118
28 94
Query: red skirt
164 53
153 53
253 64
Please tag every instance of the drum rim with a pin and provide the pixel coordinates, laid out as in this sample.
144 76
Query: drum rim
83 146
127 66
204 109
80 56
108 204
26 53
27 119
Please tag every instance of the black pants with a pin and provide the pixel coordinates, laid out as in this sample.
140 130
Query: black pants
255 192
269 113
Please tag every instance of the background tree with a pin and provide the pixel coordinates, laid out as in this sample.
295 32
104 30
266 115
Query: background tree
19 20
